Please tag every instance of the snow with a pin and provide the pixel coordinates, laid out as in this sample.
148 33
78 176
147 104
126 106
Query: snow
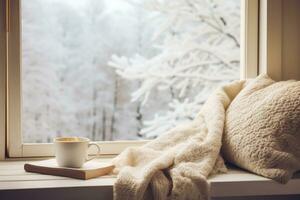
123 69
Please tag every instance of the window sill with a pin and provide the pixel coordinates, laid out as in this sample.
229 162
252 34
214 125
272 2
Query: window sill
15 183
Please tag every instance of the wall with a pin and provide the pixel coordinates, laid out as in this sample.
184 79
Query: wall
279 43
291 39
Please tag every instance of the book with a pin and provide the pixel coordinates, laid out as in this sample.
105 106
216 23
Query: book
91 169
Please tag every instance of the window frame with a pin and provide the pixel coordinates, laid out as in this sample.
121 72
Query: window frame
270 38
3 60
15 147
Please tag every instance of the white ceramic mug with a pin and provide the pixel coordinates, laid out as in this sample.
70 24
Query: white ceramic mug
73 151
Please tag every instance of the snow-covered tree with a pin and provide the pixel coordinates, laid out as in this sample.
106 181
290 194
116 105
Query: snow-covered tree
167 57
197 44
40 82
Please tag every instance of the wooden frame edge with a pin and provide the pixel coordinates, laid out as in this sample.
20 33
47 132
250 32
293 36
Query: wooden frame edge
270 38
14 140
2 79
249 38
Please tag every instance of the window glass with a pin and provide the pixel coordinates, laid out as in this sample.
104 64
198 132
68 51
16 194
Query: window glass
122 69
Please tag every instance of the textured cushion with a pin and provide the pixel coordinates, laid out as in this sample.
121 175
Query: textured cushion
262 128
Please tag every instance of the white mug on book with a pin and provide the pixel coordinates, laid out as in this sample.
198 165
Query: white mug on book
73 151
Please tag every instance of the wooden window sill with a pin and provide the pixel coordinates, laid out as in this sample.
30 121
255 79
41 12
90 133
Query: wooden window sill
15 183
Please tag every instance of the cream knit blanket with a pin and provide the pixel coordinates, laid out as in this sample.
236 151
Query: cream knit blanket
177 164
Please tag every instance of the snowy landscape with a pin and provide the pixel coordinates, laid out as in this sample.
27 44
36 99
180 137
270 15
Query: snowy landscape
123 69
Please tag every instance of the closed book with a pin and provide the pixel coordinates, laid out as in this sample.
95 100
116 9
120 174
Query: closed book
91 169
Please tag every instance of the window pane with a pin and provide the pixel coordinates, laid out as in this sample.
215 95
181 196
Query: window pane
122 69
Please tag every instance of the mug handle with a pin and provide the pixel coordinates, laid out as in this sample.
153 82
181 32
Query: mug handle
98 152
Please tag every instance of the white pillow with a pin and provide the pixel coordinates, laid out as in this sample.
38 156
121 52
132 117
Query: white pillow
262 128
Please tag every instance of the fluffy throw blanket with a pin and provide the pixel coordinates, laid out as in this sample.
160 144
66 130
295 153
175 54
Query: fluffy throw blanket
176 164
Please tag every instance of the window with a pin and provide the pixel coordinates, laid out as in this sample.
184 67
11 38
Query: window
118 72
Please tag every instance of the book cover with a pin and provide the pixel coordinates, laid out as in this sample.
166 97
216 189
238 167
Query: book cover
91 169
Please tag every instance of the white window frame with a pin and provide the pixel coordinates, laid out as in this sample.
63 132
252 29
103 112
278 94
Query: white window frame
15 147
